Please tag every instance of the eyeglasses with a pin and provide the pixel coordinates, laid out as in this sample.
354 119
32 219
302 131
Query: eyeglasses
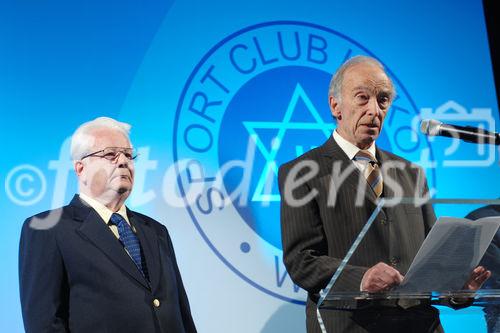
112 153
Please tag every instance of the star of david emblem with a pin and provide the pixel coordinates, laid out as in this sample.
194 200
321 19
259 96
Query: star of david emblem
264 186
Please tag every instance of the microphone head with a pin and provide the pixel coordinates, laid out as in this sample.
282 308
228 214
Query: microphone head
430 127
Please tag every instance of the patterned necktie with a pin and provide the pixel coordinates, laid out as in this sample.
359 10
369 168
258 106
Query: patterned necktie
130 242
372 171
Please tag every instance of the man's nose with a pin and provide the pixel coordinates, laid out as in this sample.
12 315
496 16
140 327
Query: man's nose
373 108
122 160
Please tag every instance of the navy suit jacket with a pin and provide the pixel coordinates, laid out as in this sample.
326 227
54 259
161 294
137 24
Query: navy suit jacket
77 277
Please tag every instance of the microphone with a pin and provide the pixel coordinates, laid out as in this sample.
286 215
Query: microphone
433 127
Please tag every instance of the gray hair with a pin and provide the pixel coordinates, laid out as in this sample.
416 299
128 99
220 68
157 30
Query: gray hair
337 80
83 140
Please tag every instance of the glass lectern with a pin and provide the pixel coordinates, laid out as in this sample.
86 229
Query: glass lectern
436 276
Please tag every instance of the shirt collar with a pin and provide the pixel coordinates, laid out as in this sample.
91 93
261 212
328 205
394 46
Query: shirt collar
349 148
103 211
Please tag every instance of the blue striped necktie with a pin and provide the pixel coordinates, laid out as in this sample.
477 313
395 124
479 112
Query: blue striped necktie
130 242
372 171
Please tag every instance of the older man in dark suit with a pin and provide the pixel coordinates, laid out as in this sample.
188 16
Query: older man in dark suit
328 194
94 265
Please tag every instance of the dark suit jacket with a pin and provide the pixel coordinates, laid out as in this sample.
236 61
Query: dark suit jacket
316 236
491 260
77 277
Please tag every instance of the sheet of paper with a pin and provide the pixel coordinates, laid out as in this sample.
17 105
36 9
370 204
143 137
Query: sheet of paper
451 250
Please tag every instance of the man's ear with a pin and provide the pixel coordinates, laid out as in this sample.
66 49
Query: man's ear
78 166
334 107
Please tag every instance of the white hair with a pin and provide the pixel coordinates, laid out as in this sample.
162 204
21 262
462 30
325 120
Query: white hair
335 88
82 140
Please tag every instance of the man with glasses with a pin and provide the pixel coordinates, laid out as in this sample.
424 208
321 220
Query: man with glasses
94 265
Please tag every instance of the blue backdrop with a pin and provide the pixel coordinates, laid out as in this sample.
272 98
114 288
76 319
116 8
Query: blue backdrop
240 87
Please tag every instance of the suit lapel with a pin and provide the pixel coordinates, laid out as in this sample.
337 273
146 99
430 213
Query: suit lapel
390 172
333 151
149 244
98 233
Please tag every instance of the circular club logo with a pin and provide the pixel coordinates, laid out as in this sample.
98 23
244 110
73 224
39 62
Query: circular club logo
258 99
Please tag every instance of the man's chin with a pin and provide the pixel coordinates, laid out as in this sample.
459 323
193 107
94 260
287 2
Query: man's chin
123 186
371 135
367 141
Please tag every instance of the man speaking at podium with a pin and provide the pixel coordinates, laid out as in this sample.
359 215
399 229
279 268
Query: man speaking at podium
94 265
328 194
